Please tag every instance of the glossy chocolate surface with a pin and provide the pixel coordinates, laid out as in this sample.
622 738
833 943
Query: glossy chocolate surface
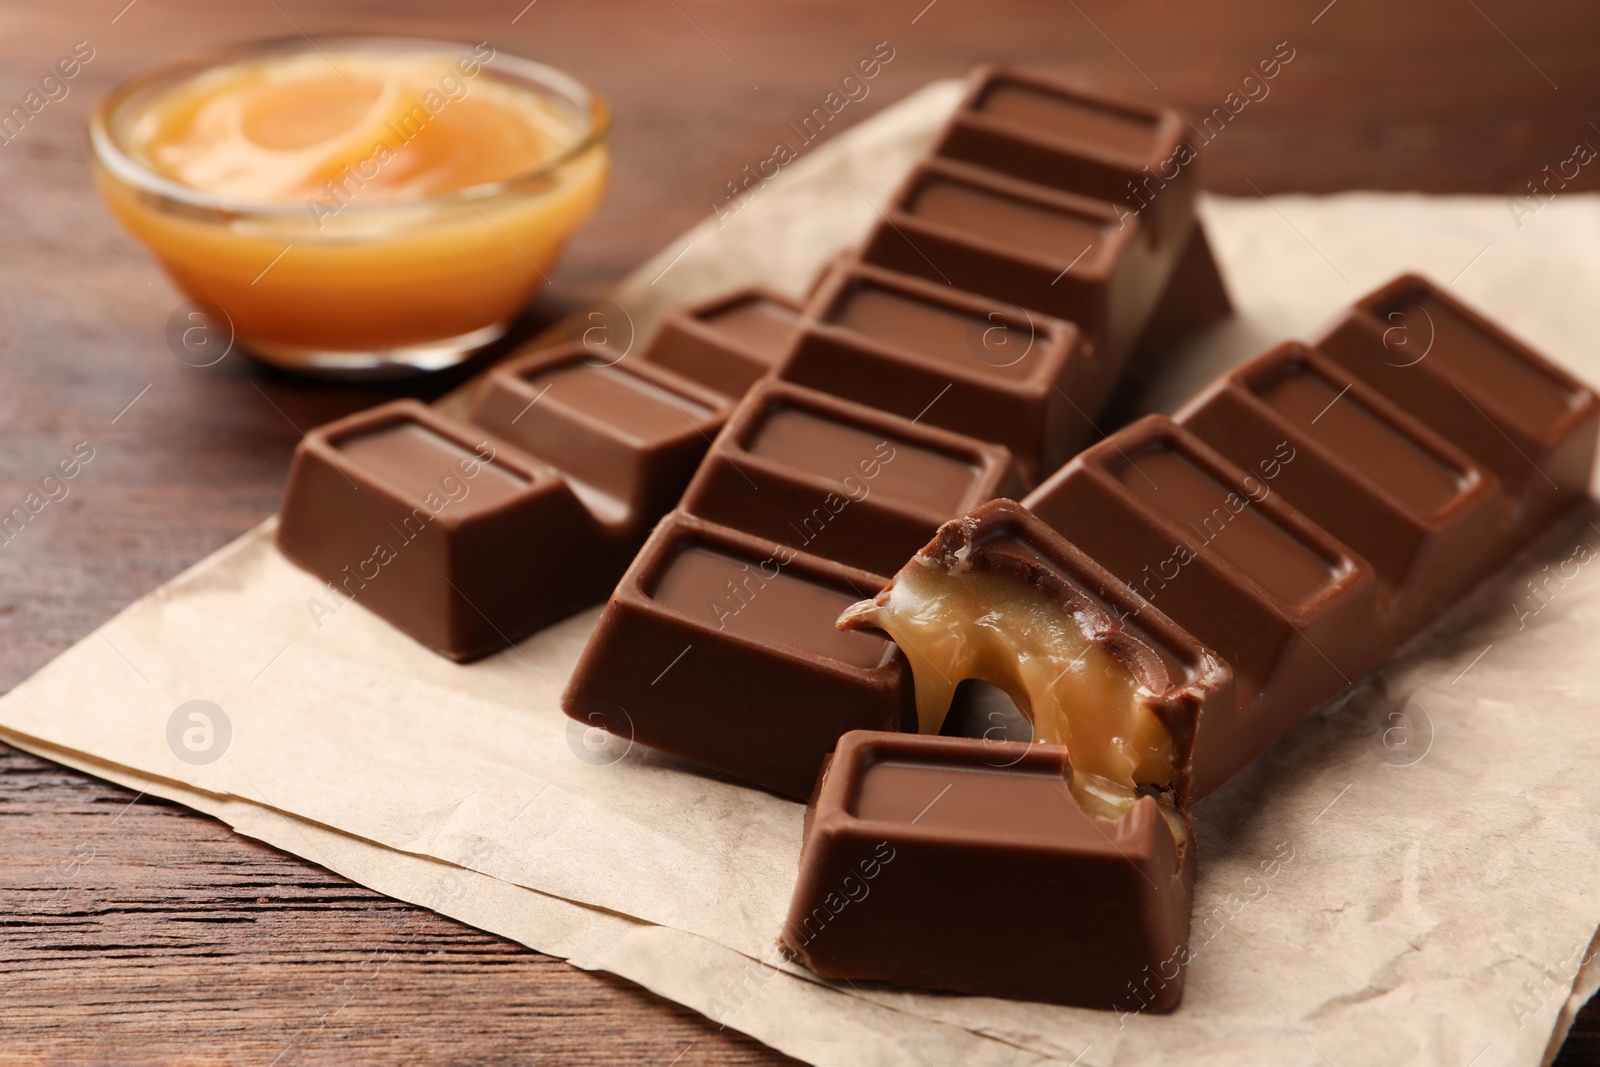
737 595
761 324
626 435
1222 519
1076 118
728 343
840 480
719 646
1129 153
415 460
954 360
907 831
445 531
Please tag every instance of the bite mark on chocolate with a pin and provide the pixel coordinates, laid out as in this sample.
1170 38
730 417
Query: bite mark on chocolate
999 598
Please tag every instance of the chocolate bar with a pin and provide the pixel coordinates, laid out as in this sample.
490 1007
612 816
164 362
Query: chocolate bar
960 396
1276 540
906 832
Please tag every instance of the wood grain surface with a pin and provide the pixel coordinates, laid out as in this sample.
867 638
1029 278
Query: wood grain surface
132 931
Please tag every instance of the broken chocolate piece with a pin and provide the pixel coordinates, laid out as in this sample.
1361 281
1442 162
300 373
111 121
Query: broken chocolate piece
445 531
907 831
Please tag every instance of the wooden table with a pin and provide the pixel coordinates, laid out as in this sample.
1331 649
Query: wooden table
132 930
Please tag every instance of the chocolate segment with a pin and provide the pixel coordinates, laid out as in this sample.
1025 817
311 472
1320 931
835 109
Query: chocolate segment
729 343
1048 251
953 360
720 647
841 480
1218 551
627 436
1383 483
1128 153
1522 417
907 831
443 530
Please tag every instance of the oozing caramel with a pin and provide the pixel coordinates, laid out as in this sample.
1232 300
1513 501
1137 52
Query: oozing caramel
959 623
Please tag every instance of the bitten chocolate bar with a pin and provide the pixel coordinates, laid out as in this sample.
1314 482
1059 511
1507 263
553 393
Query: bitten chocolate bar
907 832
1304 516
1290 527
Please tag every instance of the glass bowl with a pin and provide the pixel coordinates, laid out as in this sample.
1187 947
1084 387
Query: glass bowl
351 288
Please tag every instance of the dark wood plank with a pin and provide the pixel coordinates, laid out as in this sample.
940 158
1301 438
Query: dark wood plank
121 927
135 932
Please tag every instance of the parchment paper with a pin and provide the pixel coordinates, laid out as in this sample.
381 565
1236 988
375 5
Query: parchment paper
1380 888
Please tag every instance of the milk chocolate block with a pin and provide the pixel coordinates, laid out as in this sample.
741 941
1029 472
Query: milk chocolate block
720 647
626 436
841 480
1415 506
908 834
1044 130
966 363
1512 410
1219 552
1067 202
729 343
1062 254
447 532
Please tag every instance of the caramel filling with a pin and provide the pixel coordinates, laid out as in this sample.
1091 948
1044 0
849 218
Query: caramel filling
959 624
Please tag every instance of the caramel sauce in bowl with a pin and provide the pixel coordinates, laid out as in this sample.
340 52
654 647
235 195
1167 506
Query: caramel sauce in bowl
355 206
